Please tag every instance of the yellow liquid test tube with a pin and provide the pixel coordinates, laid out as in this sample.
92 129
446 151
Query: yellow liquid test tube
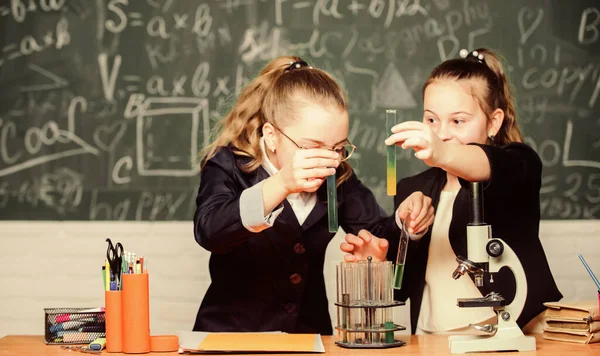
390 121
332 213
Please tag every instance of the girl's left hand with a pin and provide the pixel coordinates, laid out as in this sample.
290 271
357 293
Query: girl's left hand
421 138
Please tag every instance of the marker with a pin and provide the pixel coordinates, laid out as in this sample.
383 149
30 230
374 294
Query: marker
390 121
74 325
98 344
83 314
106 275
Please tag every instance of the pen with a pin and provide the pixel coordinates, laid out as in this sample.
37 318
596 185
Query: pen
590 271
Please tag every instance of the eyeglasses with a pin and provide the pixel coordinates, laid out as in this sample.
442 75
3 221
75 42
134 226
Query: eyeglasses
345 150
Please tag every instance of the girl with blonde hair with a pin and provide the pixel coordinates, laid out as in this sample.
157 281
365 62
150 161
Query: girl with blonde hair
262 206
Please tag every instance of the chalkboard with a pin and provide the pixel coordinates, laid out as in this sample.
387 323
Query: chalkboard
104 104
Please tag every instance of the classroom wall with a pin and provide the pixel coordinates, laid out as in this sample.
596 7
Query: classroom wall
58 264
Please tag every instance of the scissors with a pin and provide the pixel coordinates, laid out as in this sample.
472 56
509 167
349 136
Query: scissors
114 254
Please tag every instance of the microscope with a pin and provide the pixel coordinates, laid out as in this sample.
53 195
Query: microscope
487 254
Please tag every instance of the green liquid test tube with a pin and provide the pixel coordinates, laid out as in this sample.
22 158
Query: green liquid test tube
401 257
398 273
332 204
390 121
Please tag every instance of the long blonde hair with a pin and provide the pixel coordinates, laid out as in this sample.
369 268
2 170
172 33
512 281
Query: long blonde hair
269 98
496 93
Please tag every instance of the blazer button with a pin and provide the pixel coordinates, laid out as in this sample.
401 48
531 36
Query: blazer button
295 278
290 307
299 248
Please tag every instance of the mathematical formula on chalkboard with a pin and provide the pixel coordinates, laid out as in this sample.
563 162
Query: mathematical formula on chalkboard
105 104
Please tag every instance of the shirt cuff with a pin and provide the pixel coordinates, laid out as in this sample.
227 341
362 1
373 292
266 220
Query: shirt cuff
414 237
252 207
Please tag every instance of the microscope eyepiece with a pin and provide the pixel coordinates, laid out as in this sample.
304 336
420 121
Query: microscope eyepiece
476 204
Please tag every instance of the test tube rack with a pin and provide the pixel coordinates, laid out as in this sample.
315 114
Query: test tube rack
364 305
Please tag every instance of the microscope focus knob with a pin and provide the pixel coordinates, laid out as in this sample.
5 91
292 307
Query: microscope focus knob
494 247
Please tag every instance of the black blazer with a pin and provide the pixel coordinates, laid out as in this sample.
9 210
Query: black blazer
271 280
511 207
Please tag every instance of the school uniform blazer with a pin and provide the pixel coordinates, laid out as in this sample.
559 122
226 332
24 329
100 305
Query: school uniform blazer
272 279
511 207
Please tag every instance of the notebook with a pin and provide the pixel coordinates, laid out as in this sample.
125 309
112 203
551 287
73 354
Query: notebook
196 342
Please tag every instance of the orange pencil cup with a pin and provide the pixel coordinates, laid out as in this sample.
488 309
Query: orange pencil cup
113 316
135 300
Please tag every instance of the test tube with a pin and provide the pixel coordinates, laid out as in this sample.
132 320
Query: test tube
389 298
332 204
369 311
390 121
401 257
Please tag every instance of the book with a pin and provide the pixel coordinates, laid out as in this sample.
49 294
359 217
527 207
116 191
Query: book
583 325
572 311
581 337
197 342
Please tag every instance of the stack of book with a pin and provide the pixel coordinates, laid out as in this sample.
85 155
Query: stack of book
577 322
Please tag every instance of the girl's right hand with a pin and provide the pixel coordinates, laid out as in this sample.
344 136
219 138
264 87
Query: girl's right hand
417 210
308 169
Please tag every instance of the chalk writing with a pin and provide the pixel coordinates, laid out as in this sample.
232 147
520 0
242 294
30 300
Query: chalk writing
588 27
107 105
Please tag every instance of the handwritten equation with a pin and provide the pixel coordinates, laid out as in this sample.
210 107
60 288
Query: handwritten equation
109 102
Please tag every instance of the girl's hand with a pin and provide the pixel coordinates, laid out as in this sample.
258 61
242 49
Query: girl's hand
420 137
417 212
360 247
308 169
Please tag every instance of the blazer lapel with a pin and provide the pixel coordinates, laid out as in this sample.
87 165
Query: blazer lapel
288 218
320 208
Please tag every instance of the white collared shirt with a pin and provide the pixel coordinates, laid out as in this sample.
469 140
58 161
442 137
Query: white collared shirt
302 203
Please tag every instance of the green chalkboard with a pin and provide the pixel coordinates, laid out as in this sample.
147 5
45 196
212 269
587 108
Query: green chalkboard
104 104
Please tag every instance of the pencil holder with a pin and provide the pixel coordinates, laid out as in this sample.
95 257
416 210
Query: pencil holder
114 328
136 313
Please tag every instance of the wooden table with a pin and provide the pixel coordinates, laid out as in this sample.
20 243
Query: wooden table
416 345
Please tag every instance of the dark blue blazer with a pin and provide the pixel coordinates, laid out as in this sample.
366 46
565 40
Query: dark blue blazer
271 280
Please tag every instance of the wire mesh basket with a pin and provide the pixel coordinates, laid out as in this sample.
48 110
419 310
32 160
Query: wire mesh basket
73 325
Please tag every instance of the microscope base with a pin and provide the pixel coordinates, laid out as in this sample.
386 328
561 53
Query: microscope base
461 344
508 337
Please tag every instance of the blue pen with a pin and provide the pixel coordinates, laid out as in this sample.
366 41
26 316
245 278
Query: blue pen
590 271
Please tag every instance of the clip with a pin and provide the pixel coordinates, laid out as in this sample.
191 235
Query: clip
471 55
297 64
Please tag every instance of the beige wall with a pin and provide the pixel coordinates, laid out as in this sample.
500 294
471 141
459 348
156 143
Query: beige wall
58 264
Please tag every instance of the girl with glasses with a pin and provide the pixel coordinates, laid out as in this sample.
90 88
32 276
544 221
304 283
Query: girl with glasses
469 133
262 205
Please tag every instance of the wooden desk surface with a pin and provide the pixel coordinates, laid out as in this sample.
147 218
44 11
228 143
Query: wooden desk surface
415 345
